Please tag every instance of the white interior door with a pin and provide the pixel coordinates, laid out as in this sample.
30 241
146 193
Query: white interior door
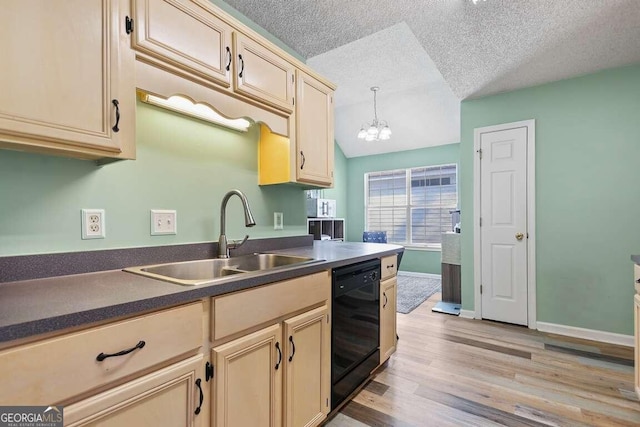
503 229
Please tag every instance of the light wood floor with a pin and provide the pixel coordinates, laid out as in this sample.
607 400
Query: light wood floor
449 371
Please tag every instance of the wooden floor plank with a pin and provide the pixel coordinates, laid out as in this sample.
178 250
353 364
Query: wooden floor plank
450 371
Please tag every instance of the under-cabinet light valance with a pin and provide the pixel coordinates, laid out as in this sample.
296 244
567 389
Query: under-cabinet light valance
200 111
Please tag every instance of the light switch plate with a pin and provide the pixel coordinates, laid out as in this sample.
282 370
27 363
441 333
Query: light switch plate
163 222
278 221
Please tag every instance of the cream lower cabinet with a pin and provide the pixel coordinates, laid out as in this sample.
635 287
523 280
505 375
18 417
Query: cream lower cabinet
248 380
67 87
388 307
307 365
168 397
279 373
281 366
388 293
636 305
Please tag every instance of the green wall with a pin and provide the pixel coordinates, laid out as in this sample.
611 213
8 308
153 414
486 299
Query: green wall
339 190
257 28
182 164
423 261
587 197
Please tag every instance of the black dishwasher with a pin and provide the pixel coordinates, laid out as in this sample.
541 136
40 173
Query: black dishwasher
355 333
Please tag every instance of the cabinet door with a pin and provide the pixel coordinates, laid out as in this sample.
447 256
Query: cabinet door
388 291
69 61
185 35
308 365
168 397
314 131
636 303
262 75
248 380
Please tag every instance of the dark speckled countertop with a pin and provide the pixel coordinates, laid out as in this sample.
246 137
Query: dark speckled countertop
33 307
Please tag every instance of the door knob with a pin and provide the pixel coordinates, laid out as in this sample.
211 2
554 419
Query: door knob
519 236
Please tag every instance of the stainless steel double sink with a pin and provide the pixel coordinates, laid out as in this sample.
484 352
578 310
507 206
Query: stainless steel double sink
207 271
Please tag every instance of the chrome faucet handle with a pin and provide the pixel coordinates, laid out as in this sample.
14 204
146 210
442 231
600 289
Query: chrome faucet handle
235 244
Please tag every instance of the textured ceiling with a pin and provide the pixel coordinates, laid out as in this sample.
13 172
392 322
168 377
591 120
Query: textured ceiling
427 55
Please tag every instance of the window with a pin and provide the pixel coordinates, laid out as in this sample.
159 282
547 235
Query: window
412 205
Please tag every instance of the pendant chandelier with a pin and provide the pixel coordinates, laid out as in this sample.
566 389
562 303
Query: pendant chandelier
378 130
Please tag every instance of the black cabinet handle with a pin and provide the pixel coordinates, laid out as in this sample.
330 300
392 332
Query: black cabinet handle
279 355
117 105
303 160
228 67
390 266
197 411
293 345
638 281
241 66
103 356
384 294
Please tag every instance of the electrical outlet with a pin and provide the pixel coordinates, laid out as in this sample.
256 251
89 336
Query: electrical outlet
163 222
93 224
278 221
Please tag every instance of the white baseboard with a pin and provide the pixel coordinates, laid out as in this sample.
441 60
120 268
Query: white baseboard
588 334
468 314
416 274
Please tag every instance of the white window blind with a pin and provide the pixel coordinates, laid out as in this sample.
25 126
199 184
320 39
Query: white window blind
411 205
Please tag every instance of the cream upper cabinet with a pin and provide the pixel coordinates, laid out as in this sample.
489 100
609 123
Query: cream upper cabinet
307 157
186 36
67 85
307 375
314 131
168 397
247 387
262 75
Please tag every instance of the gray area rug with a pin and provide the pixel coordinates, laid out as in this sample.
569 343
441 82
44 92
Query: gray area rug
413 291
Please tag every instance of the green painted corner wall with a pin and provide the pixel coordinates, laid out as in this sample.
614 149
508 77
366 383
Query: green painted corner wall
587 204
257 28
413 260
181 164
339 190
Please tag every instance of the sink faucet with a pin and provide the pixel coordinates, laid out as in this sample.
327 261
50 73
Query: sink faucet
223 246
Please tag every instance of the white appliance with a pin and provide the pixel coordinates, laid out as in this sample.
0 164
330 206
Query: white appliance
321 208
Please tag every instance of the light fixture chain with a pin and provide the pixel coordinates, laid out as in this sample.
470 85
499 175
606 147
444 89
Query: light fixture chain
375 108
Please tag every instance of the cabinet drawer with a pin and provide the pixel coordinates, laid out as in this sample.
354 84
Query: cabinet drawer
59 368
240 311
389 266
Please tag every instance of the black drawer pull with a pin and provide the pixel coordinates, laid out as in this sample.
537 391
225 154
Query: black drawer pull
390 266
293 345
116 104
103 356
638 281
197 411
279 355
384 294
